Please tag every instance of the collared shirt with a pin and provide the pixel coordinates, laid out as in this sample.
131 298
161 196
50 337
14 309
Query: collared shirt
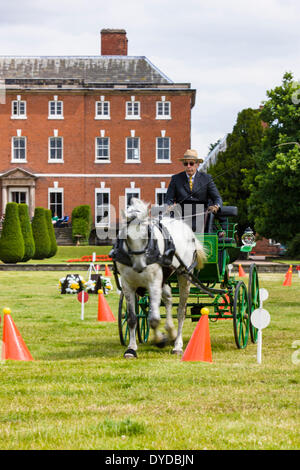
188 177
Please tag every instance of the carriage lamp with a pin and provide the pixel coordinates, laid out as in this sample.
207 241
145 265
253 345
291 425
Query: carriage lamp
248 237
248 240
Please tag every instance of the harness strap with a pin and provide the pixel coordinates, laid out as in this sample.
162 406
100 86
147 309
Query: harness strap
185 272
152 253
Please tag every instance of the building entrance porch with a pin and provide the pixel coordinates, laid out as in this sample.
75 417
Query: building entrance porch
18 185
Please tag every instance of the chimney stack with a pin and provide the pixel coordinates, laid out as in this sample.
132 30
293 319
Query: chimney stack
113 42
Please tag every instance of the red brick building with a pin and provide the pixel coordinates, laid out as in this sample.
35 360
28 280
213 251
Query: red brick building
86 130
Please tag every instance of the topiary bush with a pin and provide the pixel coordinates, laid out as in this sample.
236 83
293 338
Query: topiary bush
11 243
26 228
82 222
51 231
40 234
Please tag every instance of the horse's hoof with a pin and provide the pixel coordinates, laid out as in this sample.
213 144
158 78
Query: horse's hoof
130 354
178 352
162 343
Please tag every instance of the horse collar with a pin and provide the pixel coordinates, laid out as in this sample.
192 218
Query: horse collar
151 250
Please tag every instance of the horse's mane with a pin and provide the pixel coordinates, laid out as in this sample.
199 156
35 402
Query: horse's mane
137 209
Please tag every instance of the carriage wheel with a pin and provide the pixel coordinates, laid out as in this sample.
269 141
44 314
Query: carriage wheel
142 321
122 321
143 328
253 292
241 317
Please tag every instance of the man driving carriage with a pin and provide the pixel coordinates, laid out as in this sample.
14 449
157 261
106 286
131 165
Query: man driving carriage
191 189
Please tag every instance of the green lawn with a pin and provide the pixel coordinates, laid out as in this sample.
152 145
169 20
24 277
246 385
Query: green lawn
80 393
285 261
65 253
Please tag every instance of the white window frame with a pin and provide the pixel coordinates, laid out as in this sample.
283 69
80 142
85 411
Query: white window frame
102 160
21 189
56 116
162 160
102 191
56 160
18 115
132 115
18 160
56 190
164 115
132 160
130 191
157 192
102 115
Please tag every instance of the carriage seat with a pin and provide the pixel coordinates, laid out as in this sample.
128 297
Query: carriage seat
222 218
228 211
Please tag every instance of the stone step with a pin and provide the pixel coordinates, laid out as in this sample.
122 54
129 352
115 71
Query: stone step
64 236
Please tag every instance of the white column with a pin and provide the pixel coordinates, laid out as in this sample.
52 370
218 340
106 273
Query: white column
4 198
31 200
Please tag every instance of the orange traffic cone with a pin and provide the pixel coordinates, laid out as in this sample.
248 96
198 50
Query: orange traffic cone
13 346
241 271
107 271
199 348
104 311
288 277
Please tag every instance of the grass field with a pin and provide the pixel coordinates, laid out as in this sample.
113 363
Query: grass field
65 253
80 393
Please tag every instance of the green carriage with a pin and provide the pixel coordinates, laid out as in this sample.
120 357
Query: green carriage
213 287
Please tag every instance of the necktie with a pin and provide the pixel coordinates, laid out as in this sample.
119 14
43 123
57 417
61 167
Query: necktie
191 182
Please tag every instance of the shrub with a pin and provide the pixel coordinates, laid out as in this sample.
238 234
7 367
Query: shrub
29 245
294 246
51 231
81 222
11 243
40 234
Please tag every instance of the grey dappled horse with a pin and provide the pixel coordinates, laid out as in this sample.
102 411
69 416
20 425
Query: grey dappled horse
137 233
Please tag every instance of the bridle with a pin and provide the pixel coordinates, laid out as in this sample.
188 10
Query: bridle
138 252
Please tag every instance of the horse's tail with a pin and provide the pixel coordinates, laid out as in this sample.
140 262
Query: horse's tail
201 255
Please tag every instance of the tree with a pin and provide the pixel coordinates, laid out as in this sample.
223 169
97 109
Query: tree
275 187
228 172
214 145
29 244
40 234
53 244
11 242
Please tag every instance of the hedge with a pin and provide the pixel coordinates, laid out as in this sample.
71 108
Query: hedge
40 234
12 248
26 228
81 222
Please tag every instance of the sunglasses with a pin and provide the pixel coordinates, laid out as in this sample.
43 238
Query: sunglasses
189 164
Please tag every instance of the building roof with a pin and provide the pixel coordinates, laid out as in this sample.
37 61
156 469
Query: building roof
90 69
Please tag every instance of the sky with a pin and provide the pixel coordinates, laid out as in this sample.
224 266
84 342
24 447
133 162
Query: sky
230 51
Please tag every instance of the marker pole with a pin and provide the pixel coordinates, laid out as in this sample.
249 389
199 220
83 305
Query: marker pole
259 346
82 306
